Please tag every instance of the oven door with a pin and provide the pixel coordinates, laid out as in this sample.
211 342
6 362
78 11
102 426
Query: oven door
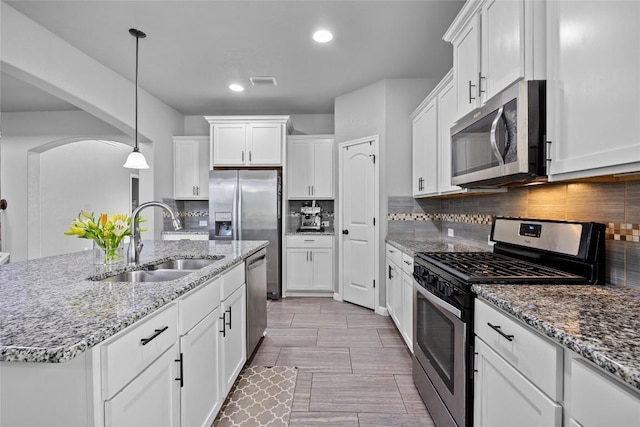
440 347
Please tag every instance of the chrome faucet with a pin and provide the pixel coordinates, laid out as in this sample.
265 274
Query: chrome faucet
135 244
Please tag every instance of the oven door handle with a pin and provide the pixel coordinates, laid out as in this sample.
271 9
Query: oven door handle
437 301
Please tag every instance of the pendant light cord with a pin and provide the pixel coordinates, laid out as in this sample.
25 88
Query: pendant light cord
138 35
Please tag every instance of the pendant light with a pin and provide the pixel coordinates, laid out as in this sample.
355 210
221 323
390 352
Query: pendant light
136 159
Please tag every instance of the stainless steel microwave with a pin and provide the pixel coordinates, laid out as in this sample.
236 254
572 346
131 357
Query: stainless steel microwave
503 141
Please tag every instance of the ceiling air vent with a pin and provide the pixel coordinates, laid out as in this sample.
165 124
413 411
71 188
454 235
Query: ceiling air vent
263 81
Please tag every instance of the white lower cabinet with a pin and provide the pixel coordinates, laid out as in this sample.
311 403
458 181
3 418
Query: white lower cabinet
232 324
518 373
200 397
399 292
309 264
504 397
597 400
151 399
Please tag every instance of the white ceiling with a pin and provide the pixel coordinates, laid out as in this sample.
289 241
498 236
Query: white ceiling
195 49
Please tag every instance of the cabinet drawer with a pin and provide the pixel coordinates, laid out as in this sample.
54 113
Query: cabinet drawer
407 264
394 254
231 281
197 304
128 354
307 241
599 401
529 352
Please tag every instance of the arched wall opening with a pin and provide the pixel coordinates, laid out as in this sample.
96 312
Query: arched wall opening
67 176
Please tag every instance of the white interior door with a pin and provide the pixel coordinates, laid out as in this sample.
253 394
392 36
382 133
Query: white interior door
358 230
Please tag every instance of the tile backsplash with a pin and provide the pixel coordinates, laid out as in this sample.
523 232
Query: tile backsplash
190 213
615 204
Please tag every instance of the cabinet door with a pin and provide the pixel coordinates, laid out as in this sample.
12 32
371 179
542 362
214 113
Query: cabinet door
229 142
425 155
503 397
502 45
184 172
395 289
592 88
202 183
300 167
446 114
323 170
200 396
299 272
466 64
264 142
599 401
152 399
322 265
407 309
234 323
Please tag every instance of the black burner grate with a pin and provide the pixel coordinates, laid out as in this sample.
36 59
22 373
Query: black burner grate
484 267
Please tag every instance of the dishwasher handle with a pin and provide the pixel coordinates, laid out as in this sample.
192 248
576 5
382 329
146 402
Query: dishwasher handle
257 262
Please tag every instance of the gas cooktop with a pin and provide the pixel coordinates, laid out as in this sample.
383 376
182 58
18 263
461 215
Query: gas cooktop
482 267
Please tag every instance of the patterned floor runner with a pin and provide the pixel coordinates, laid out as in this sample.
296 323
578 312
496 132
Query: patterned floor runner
261 396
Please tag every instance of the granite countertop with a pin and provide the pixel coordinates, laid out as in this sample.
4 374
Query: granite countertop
431 244
51 312
186 232
311 233
599 323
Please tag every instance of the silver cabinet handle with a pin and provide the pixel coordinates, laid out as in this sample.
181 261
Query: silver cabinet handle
492 136
311 255
193 190
480 78
470 97
243 155
249 155
312 190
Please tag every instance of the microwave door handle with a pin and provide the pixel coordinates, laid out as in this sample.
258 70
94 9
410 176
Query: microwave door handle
492 137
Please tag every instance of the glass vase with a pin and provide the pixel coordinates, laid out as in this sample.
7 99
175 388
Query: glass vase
110 256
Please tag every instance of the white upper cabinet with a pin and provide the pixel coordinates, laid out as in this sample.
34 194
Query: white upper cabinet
191 168
425 149
310 166
593 88
495 43
446 114
247 140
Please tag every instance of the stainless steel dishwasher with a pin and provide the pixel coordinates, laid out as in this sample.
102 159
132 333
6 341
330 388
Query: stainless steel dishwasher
256 276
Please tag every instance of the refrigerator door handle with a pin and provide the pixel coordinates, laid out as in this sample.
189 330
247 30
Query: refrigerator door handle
234 215
239 212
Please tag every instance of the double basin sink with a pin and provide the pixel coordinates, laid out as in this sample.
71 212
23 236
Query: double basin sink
165 271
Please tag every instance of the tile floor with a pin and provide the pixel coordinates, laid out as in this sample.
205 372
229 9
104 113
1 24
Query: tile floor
353 366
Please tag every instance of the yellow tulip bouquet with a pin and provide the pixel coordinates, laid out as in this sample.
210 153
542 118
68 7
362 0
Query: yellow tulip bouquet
107 231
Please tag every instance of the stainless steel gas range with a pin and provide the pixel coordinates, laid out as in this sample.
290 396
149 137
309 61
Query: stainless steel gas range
526 251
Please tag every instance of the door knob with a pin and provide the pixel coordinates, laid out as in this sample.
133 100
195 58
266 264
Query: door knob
345 231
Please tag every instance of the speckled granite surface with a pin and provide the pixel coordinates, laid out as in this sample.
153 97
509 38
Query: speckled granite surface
412 245
310 233
187 232
599 323
51 312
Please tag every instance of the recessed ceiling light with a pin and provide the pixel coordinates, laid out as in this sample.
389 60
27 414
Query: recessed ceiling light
236 87
322 36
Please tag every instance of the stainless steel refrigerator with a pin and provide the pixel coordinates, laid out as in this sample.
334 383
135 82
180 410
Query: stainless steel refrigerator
245 205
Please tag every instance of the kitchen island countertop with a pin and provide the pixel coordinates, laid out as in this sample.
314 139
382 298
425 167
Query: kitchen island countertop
50 310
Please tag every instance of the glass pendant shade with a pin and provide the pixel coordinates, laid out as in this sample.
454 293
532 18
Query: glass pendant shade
136 160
